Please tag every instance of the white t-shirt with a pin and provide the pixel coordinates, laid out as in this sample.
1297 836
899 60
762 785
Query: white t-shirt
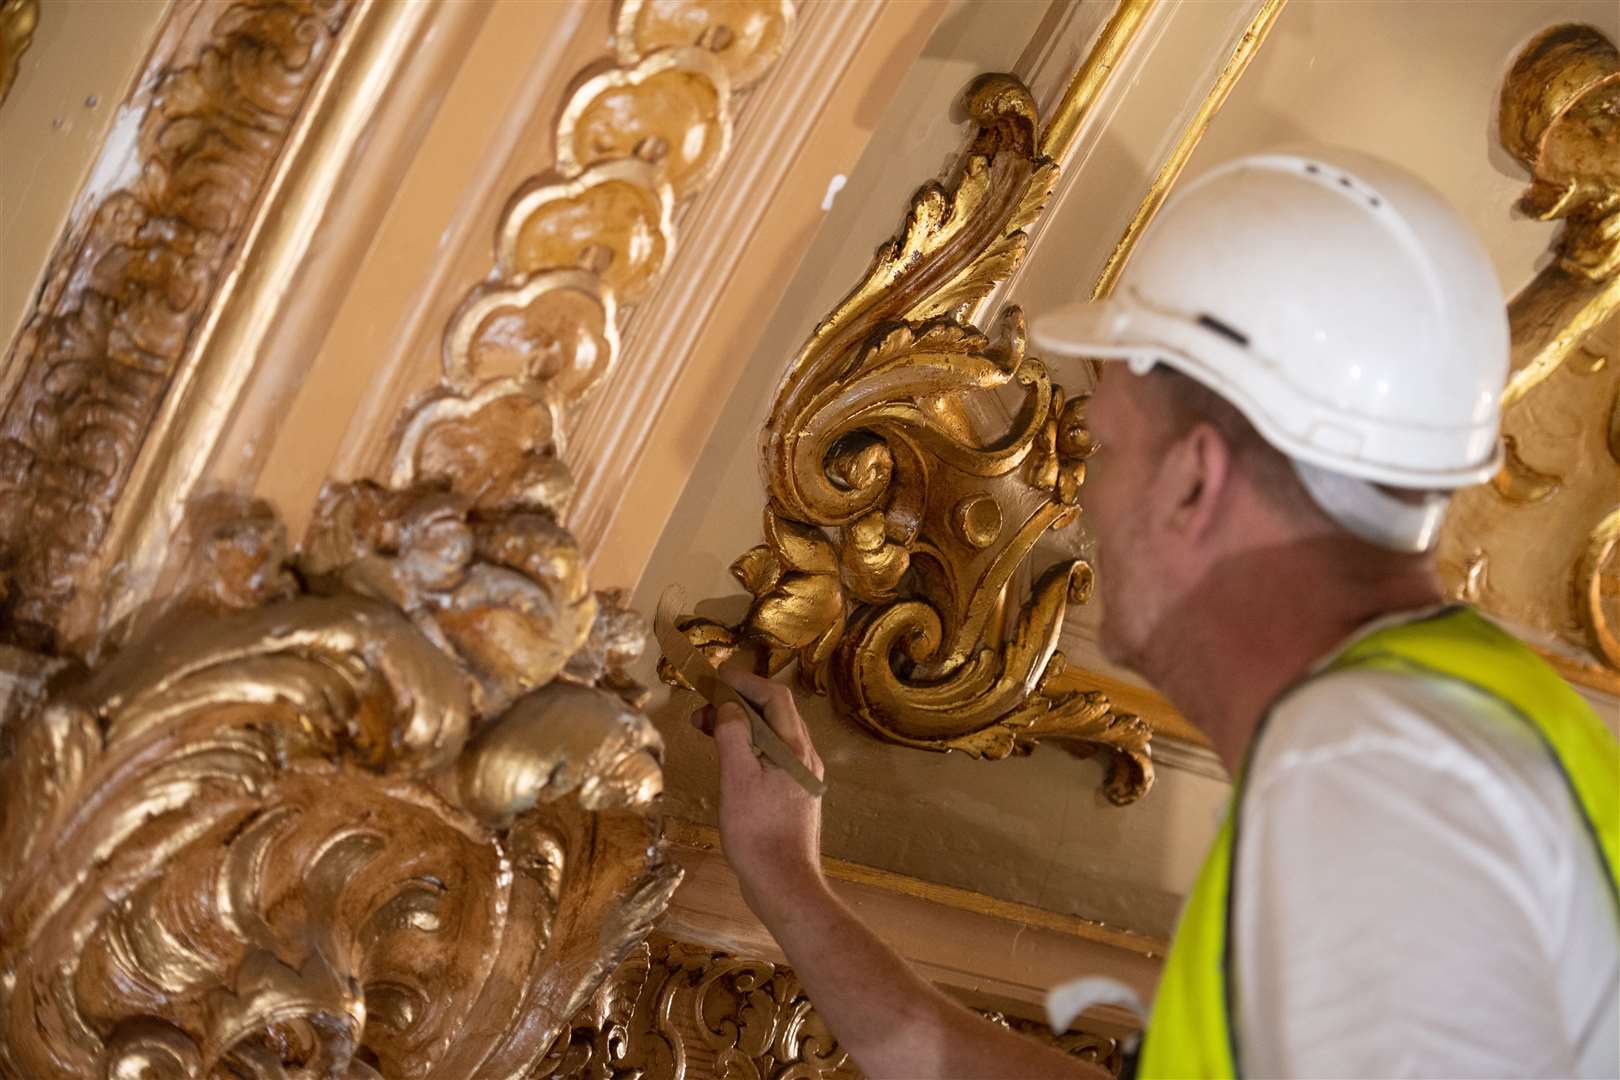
1416 893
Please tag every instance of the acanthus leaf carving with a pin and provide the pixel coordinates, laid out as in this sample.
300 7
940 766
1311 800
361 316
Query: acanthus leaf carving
895 528
333 827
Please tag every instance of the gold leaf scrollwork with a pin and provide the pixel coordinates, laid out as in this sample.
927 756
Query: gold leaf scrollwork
895 528
682 1011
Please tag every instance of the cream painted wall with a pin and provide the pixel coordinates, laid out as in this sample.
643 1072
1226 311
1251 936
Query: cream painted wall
1412 80
84 59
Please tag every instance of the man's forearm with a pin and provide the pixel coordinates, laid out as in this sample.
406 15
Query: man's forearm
891 1020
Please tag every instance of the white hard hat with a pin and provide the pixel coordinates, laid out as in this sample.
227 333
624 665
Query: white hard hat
1340 304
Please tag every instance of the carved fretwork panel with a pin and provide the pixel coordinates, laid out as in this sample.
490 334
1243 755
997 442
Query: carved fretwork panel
690 1013
124 295
894 527
1540 544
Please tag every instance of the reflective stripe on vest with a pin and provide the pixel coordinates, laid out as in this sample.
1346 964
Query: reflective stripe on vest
1192 1033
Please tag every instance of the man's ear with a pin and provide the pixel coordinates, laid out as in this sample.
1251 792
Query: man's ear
1192 482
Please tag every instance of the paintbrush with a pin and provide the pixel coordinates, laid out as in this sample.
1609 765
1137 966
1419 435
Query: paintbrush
697 671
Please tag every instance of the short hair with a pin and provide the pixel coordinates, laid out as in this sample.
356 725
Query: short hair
1192 403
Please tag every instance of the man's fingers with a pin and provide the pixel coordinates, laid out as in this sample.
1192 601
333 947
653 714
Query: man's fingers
781 711
731 739
703 719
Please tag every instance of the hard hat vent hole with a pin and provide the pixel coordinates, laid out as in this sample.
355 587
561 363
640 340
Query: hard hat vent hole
1209 322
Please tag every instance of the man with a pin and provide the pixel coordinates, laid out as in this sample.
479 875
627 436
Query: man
1416 876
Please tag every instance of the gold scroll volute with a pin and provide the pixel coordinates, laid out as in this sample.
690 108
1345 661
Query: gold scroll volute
895 528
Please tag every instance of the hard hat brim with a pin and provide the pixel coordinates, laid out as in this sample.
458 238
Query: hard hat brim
1091 330
1120 329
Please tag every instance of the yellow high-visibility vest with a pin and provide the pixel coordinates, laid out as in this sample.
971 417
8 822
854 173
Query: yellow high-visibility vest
1192 1033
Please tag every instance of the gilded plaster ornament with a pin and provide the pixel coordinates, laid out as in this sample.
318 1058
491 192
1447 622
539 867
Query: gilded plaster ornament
383 806
1538 544
393 821
895 529
17 21
746 36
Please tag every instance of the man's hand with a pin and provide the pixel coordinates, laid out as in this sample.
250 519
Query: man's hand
770 827
890 1020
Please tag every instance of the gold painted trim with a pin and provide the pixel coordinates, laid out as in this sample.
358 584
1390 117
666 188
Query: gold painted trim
699 837
18 20
1094 73
1253 37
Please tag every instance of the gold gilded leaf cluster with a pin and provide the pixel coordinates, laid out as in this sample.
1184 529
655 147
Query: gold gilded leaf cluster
1540 545
120 302
895 530
686 1012
381 809
579 243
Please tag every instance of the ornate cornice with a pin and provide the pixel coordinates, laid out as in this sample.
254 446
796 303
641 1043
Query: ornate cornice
686 1012
123 299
